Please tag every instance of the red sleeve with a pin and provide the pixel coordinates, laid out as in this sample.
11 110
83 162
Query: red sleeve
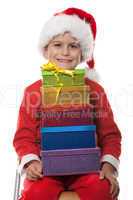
27 136
109 136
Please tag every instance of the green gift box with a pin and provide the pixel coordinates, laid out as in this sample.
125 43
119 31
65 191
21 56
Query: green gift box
51 78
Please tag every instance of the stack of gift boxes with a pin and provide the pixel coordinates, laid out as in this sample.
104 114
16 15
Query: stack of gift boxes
68 134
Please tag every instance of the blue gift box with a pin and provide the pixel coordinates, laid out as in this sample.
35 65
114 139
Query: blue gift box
68 137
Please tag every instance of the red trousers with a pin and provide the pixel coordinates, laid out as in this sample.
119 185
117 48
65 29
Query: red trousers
88 187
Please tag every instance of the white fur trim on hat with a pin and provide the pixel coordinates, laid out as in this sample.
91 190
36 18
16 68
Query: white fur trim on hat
77 27
91 74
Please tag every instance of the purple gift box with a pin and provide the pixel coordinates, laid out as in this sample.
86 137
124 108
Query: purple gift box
70 161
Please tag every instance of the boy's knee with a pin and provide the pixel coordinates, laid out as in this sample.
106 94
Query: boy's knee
99 185
91 187
43 189
34 193
92 182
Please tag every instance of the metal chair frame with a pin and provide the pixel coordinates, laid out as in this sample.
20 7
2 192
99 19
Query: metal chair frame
17 183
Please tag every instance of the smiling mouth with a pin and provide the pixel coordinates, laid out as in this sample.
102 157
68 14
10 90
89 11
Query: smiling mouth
64 60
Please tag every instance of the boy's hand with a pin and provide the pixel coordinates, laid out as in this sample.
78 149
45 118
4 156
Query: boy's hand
108 172
34 170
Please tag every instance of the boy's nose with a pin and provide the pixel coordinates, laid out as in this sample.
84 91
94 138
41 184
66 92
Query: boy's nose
65 50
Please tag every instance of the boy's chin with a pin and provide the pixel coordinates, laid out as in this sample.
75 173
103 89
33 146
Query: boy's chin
65 66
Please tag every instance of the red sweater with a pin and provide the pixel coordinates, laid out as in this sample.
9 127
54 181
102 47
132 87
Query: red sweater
27 137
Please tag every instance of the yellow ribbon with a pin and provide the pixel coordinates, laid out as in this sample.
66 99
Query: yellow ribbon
53 67
56 70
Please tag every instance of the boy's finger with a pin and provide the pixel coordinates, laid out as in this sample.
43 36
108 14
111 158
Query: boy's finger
115 190
111 188
30 177
35 173
115 193
38 174
101 176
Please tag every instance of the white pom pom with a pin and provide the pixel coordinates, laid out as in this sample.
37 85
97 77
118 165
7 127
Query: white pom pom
91 74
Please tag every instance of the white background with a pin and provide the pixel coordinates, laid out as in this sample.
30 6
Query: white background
20 25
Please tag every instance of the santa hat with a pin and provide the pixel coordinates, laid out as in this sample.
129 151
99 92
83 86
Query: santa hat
81 25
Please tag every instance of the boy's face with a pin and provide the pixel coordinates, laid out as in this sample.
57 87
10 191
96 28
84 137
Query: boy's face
64 50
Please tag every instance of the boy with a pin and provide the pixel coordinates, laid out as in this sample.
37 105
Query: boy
67 40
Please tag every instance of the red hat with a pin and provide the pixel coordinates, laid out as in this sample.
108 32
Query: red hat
81 25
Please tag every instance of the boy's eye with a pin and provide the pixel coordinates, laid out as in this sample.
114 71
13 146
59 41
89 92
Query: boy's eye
74 46
57 44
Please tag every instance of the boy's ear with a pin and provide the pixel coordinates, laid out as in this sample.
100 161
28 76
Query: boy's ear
45 52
